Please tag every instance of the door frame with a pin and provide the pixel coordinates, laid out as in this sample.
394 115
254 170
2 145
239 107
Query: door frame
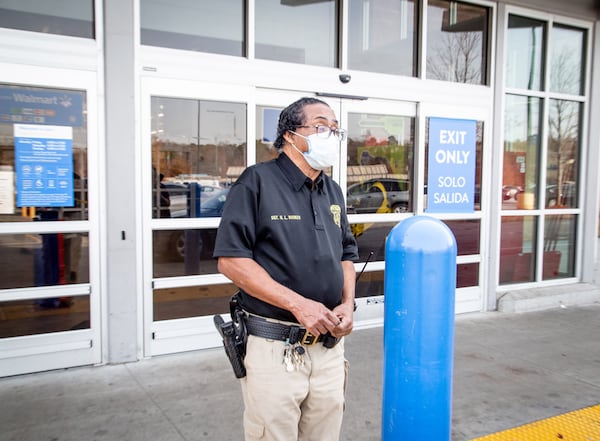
56 350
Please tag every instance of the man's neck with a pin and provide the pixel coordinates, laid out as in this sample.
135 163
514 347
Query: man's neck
298 159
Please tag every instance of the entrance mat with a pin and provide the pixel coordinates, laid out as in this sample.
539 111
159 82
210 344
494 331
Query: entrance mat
579 425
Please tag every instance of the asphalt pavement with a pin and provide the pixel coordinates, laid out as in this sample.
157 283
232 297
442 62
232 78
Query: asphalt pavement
509 369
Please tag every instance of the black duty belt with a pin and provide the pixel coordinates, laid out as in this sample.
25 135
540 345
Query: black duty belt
290 333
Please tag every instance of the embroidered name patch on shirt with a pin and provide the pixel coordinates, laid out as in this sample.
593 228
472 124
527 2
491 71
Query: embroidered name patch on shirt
285 217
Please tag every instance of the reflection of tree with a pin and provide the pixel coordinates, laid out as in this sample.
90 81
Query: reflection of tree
457 58
563 121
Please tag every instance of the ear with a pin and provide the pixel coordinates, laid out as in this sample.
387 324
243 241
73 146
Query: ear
288 137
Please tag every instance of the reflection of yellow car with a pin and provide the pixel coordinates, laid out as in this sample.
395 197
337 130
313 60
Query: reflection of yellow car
379 195
358 229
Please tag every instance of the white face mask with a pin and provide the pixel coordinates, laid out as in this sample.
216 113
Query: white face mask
322 152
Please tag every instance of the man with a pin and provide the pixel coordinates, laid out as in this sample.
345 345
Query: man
284 240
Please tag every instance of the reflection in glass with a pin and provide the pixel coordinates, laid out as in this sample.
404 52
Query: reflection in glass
457 35
192 301
41 316
559 246
563 153
383 37
304 32
53 107
521 146
466 233
478 163
267 119
566 60
370 284
62 17
29 260
184 252
467 275
525 53
380 163
198 151
215 27
517 249
370 238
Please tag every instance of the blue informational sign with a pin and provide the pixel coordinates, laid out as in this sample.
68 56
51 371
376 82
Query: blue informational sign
270 122
44 165
451 173
31 106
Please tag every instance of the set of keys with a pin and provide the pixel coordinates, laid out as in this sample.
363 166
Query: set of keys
293 356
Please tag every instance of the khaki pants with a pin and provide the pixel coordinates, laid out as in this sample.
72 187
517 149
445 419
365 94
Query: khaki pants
303 405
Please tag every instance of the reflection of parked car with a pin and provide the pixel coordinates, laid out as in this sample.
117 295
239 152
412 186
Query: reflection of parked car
175 245
379 195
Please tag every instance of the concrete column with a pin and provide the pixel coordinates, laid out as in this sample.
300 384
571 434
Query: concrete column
121 184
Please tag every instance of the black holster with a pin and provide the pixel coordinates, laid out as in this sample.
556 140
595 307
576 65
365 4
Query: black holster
234 337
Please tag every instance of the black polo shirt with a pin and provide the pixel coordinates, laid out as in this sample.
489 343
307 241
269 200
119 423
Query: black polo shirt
297 235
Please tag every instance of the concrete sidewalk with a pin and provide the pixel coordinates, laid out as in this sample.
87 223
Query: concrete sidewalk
510 369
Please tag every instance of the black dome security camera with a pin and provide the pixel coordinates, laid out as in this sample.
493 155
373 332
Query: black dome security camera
345 78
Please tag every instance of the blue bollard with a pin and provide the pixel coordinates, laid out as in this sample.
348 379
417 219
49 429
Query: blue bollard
418 332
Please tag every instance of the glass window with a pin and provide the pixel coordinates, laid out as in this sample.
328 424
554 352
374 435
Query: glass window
297 31
466 233
43 154
521 152
192 301
380 163
215 27
267 119
40 316
185 252
563 154
198 150
457 42
383 36
517 249
525 53
63 17
566 60
559 246
29 260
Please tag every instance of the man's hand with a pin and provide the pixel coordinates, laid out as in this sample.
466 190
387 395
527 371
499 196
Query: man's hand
315 317
345 314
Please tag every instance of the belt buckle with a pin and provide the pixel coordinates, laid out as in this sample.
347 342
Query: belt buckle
308 339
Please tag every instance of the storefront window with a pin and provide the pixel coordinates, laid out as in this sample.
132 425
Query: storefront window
566 60
383 37
559 246
380 163
522 138
517 249
527 184
563 154
29 260
192 301
215 27
267 119
304 32
41 316
525 51
198 151
63 17
43 154
457 42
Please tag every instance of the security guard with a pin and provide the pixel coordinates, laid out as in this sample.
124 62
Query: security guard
284 240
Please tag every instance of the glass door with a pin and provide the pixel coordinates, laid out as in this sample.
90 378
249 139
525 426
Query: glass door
49 247
459 141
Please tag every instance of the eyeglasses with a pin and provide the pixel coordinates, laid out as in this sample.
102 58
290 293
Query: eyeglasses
326 131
